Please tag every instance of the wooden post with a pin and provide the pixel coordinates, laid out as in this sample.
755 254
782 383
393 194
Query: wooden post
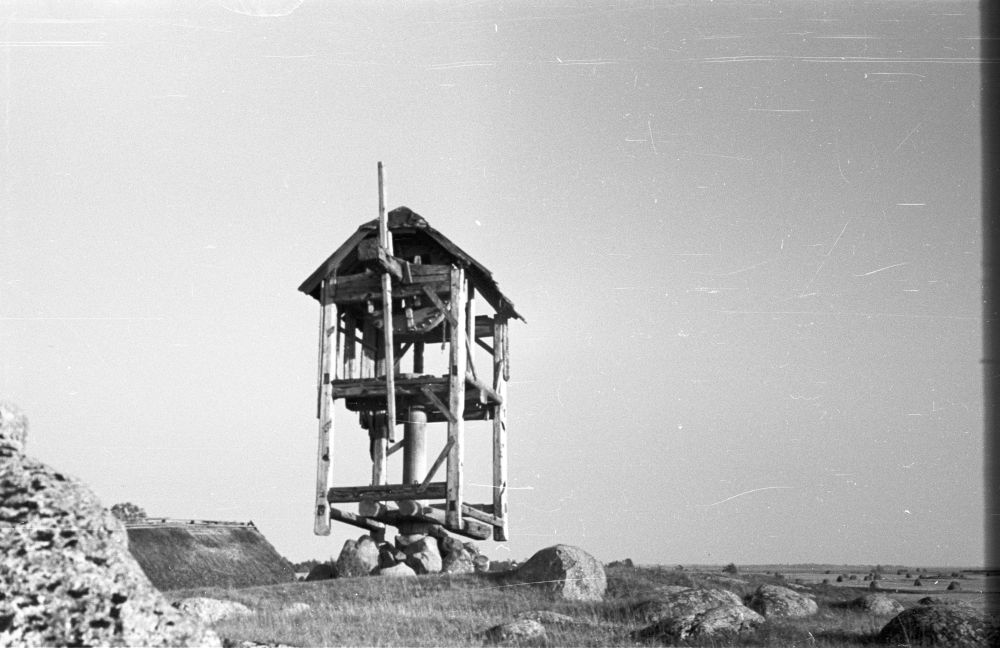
385 240
379 449
369 344
328 325
470 323
456 399
350 347
500 376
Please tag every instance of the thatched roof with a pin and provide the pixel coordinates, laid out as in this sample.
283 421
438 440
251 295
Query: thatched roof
180 554
412 235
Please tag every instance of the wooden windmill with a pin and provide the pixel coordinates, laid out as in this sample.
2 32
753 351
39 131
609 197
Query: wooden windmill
394 286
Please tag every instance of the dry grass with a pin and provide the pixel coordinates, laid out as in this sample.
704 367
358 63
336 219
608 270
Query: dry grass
445 610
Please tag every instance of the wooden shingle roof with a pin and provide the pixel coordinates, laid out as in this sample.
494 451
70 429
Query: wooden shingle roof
411 231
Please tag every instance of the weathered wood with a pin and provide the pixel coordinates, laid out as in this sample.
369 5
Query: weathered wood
437 463
390 492
488 348
476 512
441 306
338 356
368 349
350 347
350 518
360 288
401 350
438 403
394 448
418 357
470 332
379 447
321 521
470 528
373 255
501 532
385 242
486 394
456 399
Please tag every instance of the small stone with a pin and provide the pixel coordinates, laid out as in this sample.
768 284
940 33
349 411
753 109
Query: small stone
877 604
296 608
210 610
515 631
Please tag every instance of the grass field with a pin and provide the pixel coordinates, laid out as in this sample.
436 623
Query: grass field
444 610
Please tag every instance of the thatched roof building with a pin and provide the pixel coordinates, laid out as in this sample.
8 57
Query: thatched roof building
178 554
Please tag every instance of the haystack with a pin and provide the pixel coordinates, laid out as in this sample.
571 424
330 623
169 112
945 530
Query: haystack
179 554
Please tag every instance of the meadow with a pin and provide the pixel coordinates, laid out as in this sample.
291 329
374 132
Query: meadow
454 610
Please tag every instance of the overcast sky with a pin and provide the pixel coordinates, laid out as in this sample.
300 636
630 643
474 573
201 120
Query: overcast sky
745 236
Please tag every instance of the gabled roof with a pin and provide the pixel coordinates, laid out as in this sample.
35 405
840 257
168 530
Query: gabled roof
402 221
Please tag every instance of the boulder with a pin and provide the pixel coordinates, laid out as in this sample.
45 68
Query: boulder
566 570
66 575
722 620
776 601
940 600
322 571
517 631
877 604
955 626
448 545
403 540
210 610
423 556
458 562
687 601
358 557
397 570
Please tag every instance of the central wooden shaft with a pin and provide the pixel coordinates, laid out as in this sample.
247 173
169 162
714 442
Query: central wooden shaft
414 446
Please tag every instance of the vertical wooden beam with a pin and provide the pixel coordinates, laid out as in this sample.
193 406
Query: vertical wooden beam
470 331
385 240
338 357
350 346
369 344
379 450
456 399
500 377
328 319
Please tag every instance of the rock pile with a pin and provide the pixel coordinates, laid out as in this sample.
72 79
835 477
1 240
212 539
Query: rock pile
66 575
408 555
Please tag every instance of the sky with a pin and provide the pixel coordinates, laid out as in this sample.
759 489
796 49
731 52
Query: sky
745 238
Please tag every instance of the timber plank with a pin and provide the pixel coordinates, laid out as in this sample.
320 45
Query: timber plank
393 492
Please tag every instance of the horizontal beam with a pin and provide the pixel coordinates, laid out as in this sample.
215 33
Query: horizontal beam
487 395
481 512
469 528
359 288
351 518
394 492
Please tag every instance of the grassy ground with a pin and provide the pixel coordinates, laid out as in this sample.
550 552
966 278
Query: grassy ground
448 610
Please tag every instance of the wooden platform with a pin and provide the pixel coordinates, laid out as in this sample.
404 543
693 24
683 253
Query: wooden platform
428 392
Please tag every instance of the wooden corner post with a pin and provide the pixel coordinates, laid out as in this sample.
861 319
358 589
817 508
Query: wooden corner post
457 364
501 374
327 329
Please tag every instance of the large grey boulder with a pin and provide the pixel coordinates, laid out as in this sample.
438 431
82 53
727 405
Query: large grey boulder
423 556
954 626
66 575
358 557
568 571
777 601
687 601
458 562
877 604
721 620
397 571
